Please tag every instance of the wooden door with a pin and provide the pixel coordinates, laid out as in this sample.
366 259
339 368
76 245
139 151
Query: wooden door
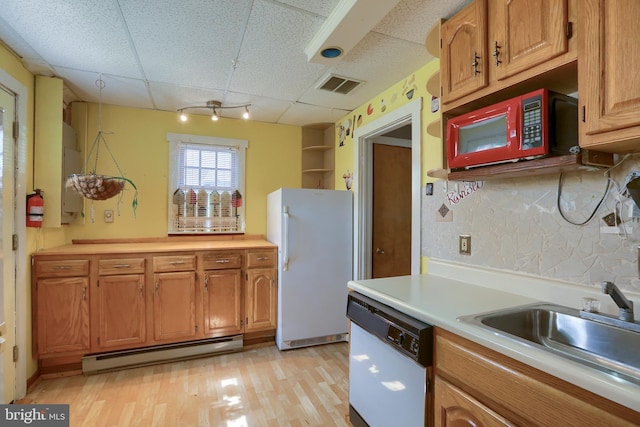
463 55
526 33
63 315
121 311
222 302
174 314
260 299
609 59
391 206
455 408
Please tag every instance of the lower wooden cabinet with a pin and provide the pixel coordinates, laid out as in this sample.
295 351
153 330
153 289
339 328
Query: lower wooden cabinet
104 302
174 306
455 408
222 302
476 386
260 299
62 310
121 313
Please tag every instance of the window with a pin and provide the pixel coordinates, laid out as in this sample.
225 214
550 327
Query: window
206 184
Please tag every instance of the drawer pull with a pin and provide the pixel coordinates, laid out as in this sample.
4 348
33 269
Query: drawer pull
62 267
177 262
263 258
121 266
222 261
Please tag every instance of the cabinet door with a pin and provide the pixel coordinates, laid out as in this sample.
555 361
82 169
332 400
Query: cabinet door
609 93
455 408
222 302
174 314
63 315
527 33
121 311
260 299
463 53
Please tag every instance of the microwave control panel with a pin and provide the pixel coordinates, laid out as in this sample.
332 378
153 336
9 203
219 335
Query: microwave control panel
532 123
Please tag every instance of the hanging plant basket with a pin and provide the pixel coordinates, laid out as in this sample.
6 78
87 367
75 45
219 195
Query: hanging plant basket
93 186
97 187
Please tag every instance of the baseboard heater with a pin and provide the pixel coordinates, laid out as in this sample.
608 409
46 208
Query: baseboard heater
104 362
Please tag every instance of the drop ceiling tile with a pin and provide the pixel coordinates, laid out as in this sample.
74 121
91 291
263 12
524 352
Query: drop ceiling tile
75 34
116 90
301 115
189 43
272 62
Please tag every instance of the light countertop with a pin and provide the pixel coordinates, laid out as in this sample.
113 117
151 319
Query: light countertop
453 290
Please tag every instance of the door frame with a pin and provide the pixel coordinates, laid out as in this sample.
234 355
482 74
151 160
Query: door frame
363 138
22 283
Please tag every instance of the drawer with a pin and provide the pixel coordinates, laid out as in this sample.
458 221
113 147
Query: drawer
261 259
62 268
174 263
222 260
120 266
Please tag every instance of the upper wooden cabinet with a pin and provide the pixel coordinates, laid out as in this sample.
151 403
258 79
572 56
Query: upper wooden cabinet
502 48
526 33
609 91
463 66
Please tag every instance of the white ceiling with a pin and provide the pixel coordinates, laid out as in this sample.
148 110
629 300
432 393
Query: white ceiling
168 54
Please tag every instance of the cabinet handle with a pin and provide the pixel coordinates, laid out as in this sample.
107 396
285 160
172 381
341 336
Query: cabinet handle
206 284
84 293
222 261
140 287
263 258
62 267
176 262
496 52
157 291
475 63
121 266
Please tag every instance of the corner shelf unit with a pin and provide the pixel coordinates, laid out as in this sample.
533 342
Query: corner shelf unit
317 156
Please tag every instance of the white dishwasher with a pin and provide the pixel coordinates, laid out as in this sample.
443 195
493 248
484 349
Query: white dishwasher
389 358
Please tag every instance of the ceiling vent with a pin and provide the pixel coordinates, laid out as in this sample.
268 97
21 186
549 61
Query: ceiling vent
338 84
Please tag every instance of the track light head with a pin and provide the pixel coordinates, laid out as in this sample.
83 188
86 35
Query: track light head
214 106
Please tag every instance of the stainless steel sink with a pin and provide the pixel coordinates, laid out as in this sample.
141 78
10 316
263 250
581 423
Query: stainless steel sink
561 330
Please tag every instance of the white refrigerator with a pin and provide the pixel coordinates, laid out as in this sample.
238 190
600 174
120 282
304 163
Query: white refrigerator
313 231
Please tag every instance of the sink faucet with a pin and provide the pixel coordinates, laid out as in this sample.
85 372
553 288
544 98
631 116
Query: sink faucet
625 306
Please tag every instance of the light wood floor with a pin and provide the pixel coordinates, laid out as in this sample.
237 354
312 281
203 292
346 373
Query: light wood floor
258 387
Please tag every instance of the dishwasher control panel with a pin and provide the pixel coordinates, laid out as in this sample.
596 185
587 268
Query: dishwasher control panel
410 336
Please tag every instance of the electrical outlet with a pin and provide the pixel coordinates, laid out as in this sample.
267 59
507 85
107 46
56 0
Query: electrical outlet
465 244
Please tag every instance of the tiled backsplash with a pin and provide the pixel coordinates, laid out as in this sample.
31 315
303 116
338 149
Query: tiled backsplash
515 225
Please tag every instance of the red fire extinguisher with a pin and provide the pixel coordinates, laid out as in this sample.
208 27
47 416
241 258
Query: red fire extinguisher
35 208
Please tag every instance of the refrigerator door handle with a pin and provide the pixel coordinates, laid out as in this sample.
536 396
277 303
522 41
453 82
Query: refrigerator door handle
285 239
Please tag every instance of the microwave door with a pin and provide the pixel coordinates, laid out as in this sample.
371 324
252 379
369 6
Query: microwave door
486 135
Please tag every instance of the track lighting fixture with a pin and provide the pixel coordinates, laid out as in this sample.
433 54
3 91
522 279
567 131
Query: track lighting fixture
214 106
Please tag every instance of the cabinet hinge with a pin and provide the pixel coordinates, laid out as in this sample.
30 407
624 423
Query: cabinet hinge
16 129
246 276
15 353
14 242
569 29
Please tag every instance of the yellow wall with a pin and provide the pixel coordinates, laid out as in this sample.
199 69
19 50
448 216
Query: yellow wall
137 139
406 90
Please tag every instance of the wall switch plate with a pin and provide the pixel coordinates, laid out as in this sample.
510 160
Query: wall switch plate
108 215
465 244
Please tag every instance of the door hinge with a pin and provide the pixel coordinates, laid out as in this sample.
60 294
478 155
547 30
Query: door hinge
569 29
15 353
16 128
14 242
